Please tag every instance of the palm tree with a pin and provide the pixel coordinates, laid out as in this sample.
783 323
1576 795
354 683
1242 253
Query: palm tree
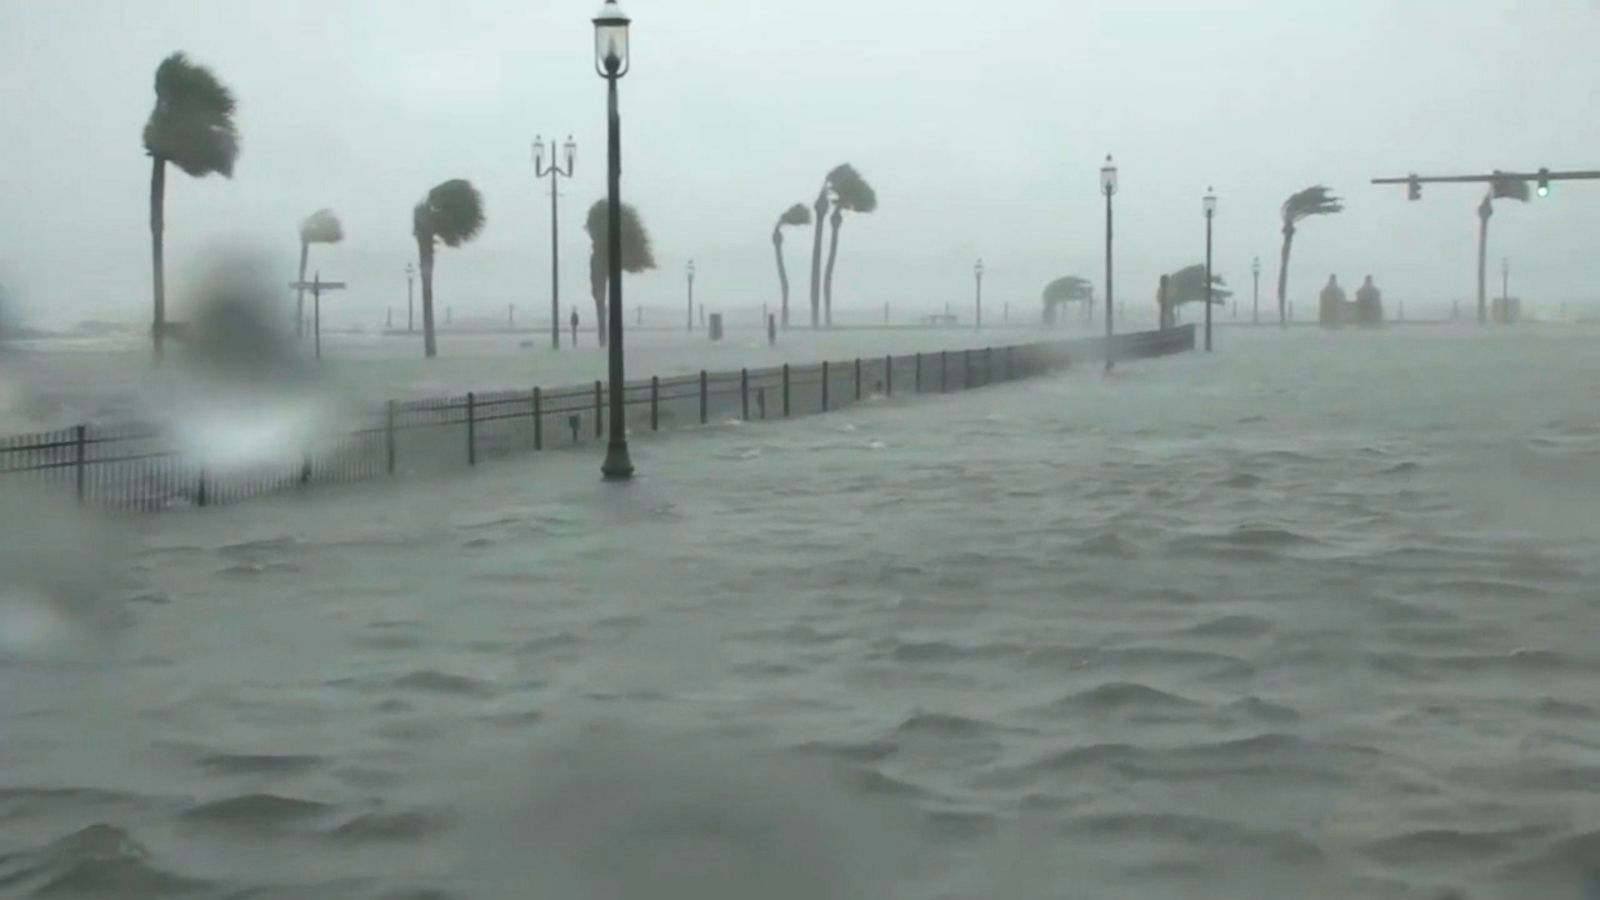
1068 289
1313 201
192 128
797 214
321 227
637 253
1188 285
850 192
1499 188
451 214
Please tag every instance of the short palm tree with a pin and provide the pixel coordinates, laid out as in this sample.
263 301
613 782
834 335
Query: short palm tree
1502 188
1188 285
797 214
1313 201
637 253
321 227
191 127
452 215
850 192
1068 289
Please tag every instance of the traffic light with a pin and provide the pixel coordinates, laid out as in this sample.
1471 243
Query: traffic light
1413 188
1544 182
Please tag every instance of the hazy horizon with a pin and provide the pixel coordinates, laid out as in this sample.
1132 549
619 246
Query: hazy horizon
983 134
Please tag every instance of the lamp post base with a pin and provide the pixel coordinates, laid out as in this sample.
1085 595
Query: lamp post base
617 467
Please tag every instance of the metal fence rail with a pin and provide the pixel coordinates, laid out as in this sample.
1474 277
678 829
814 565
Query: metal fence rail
138 467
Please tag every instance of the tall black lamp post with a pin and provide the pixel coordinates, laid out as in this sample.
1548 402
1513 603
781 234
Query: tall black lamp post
688 274
555 173
977 273
411 274
1210 204
1108 186
611 61
1255 292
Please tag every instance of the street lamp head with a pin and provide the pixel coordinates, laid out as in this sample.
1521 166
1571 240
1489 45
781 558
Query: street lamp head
410 270
538 151
1255 266
1210 203
978 267
611 41
690 268
572 152
1108 177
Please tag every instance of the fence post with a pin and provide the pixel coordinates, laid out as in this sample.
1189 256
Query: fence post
201 498
655 403
988 365
858 379
744 394
702 396
786 390
824 385
599 410
388 435
305 467
888 375
81 438
472 429
1010 373
966 369
916 376
538 420
944 371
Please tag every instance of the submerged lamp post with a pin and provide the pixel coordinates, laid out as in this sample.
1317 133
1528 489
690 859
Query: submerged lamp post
611 61
1108 186
1210 205
555 173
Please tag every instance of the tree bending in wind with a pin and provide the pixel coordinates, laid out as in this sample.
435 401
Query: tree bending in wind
850 192
1313 201
1501 188
797 214
1188 285
191 127
637 253
452 215
321 227
1067 289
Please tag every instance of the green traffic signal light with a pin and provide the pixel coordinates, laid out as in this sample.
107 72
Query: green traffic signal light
1544 183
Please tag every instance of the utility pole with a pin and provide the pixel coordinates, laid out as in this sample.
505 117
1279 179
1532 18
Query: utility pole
555 173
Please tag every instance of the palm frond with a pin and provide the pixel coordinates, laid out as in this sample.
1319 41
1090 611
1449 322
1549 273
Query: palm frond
1313 201
1069 289
452 212
1188 285
192 123
798 214
321 227
851 191
638 255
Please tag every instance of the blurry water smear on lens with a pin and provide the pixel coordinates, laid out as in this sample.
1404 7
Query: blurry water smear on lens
63 575
245 395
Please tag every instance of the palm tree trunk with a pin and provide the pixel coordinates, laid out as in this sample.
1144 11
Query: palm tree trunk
783 275
836 220
158 193
1283 276
597 289
300 293
430 347
821 209
1485 210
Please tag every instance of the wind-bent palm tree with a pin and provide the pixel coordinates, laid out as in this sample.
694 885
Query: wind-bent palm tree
1313 201
637 253
850 192
1188 285
451 214
1068 289
797 214
1499 189
192 128
321 227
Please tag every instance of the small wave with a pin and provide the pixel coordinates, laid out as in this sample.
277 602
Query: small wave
100 860
1204 833
259 763
1553 708
1264 711
1448 845
1108 544
1121 696
392 827
1403 468
850 751
943 651
943 725
256 811
256 570
1244 480
433 681
1231 626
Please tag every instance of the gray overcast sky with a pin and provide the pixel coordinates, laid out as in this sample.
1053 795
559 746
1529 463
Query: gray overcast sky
982 131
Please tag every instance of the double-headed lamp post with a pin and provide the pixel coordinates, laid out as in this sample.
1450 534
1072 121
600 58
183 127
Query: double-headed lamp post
1108 186
977 274
688 272
1255 292
611 61
1210 205
555 172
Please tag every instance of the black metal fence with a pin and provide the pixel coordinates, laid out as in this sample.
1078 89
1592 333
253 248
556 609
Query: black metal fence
139 467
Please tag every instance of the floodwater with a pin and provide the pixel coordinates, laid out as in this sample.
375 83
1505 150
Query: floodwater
1313 617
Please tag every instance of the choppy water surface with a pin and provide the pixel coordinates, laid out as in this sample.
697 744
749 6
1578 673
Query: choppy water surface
1313 617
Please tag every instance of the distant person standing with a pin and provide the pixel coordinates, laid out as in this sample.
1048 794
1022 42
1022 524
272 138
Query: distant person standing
574 321
1369 303
1331 307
